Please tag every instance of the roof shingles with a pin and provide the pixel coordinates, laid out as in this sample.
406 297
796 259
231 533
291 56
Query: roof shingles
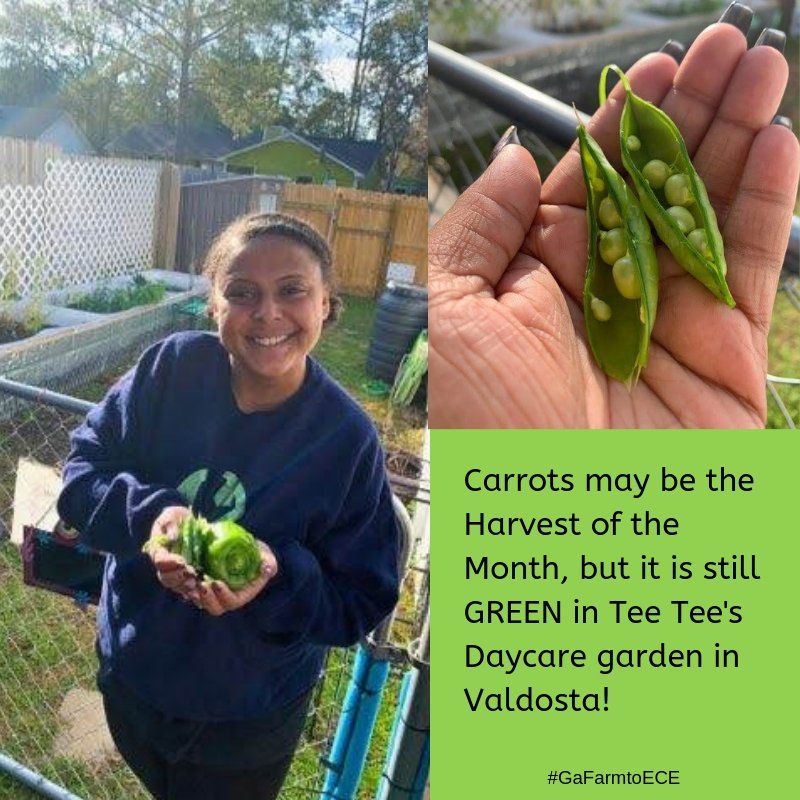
21 122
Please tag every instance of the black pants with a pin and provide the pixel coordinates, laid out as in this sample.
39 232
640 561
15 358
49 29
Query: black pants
174 759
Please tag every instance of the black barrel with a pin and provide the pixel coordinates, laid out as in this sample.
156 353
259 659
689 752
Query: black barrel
402 313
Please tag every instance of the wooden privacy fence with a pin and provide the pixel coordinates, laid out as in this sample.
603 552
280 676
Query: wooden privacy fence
207 207
22 163
367 231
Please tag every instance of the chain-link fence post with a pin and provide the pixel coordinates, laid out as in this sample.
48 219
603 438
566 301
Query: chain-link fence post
408 761
362 701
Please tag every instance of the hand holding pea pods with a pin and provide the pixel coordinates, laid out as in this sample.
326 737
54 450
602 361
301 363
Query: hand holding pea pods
671 192
621 289
674 199
508 343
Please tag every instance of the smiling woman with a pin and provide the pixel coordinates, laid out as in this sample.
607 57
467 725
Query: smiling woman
244 427
270 296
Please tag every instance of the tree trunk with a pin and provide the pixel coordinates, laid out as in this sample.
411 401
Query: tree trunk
184 82
358 77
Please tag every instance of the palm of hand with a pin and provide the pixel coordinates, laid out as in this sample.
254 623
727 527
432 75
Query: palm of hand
506 316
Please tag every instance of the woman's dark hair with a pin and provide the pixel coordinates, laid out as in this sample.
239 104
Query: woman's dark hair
227 246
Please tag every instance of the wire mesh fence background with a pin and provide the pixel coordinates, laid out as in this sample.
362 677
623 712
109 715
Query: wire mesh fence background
51 718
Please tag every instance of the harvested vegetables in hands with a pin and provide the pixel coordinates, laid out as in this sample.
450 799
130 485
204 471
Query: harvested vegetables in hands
621 284
671 192
621 288
221 550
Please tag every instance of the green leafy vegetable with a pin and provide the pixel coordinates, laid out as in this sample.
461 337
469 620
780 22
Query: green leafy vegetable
232 555
413 368
221 550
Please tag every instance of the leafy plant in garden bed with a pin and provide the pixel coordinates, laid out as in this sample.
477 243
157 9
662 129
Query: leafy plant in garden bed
12 329
574 16
466 25
679 8
107 299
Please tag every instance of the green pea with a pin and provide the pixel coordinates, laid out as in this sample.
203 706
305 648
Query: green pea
608 215
618 327
598 185
683 217
600 310
613 245
677 190
699 240
634 144
625 278
655 173
662 162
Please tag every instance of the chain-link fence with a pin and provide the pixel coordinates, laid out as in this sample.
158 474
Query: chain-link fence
51 719
471 105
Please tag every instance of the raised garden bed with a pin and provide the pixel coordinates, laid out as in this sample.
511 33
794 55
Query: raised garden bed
566 65
77 345
109 299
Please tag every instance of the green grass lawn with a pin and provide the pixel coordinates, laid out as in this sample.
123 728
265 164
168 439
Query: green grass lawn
47 650
342 350
784 360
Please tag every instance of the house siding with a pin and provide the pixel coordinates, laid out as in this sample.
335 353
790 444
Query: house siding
62 133
292 159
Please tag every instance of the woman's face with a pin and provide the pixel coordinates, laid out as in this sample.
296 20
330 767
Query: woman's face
269 305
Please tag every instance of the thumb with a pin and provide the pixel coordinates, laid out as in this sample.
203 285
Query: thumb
482 232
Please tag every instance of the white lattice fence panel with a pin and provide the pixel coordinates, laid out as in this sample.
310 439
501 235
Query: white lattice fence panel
24 244
100 219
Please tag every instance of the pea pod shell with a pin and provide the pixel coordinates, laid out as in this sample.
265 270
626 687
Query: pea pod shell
661 139
619 344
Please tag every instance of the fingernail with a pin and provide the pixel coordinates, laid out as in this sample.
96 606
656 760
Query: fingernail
771 37
674 49
784 121
739 16
509 137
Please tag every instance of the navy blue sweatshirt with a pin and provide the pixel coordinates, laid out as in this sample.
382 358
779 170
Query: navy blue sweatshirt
307 477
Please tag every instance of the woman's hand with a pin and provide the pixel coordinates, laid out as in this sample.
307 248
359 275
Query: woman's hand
172 571
507 262
175 574
217 598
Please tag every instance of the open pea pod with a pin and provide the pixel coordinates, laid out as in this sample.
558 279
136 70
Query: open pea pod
671 192
620 292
